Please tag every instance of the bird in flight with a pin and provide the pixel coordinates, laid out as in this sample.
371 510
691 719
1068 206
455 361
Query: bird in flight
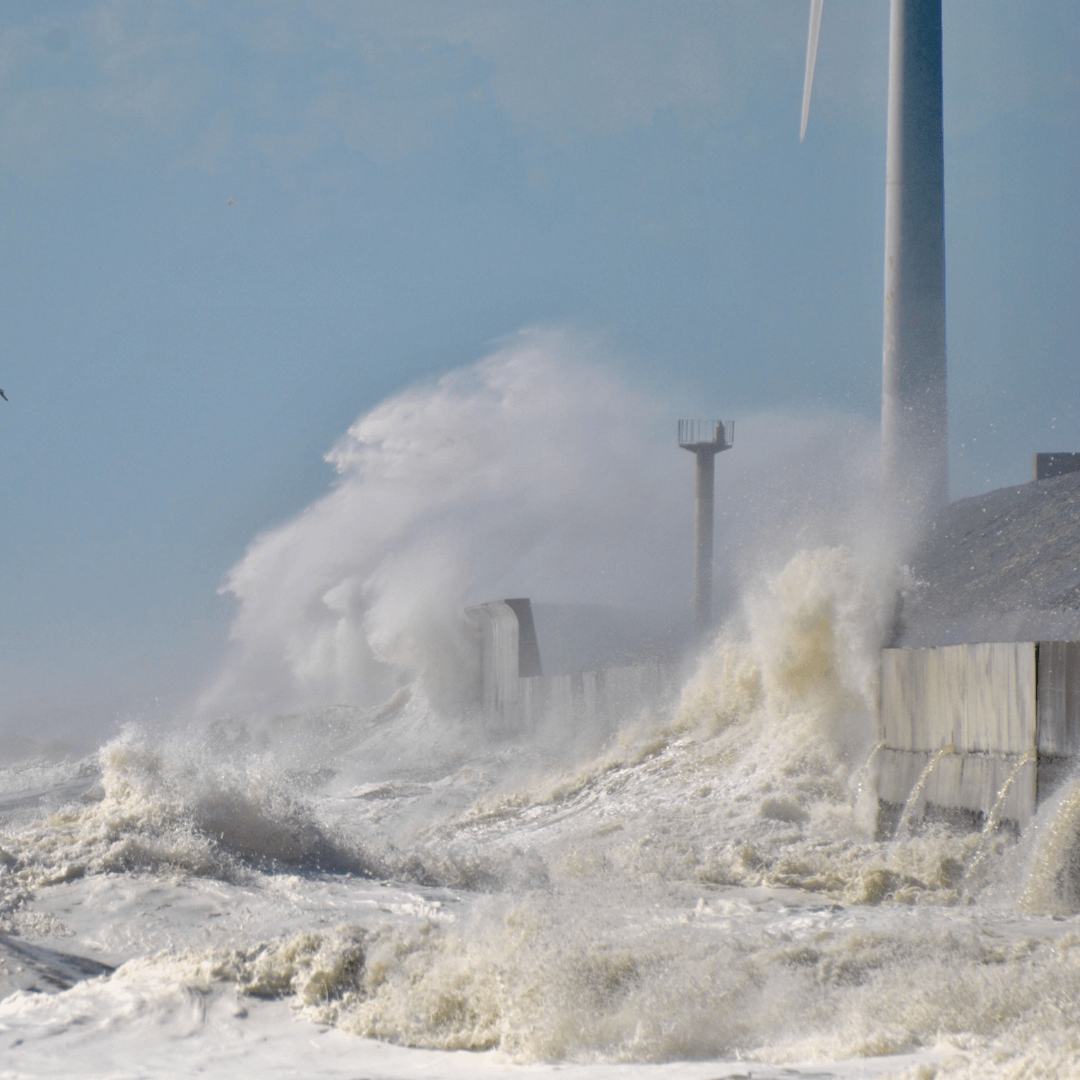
4 396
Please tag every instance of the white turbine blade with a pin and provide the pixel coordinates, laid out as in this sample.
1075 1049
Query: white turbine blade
811 59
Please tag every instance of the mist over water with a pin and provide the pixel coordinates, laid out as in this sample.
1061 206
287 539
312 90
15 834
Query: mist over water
536 472
531 470
336 828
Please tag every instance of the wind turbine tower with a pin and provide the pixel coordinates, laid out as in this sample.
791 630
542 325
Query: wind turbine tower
913 398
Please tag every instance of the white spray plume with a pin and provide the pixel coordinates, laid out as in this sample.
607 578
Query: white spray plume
535 472
529 473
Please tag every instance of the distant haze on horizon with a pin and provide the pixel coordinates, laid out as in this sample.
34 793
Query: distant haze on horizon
229 230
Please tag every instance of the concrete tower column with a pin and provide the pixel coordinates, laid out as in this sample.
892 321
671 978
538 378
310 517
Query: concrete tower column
703 534
704 439
914 404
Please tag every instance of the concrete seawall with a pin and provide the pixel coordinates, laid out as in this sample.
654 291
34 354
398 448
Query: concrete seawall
1000 721
515 694
967 732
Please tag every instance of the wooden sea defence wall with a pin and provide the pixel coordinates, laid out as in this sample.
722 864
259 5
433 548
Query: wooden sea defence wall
990 728
999 720
595 698
514 693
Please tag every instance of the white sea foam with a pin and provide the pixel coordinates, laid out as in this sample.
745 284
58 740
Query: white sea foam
661 929
350 841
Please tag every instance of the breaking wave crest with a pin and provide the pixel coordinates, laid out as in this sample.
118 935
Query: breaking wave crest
161 806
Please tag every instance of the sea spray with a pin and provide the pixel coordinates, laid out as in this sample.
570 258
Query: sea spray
532 470
818 633
702 885
993 820
1053 880
170 804
864 800
914 799
859 781
619 909
538 471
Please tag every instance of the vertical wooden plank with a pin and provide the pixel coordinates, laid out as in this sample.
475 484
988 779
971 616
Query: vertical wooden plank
1026 731
1052 707
980 701
929 665
1071 679
589 711
915 697
1022 796
1001 698
1059 698
950 711
889 707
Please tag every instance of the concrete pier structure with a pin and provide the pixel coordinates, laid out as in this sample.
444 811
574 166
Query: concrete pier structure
497 627
1003 566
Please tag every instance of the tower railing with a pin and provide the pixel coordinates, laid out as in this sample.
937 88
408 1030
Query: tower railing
695 434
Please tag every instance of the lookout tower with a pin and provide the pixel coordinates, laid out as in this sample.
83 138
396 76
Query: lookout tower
704 439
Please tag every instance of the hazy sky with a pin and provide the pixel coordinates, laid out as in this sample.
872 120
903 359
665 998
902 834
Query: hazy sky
228 228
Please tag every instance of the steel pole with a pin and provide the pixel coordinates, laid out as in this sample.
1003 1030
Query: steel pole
914 402
703 535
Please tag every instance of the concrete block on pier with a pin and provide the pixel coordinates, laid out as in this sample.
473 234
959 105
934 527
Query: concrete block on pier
1009 710
497 624
1047 466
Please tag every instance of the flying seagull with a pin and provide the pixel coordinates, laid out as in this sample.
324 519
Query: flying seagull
4 396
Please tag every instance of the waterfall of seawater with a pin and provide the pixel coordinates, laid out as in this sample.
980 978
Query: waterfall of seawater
917 790
1053 883
994 818
860 777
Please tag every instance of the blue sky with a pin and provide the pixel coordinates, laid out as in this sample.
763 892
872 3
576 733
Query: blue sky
227 229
